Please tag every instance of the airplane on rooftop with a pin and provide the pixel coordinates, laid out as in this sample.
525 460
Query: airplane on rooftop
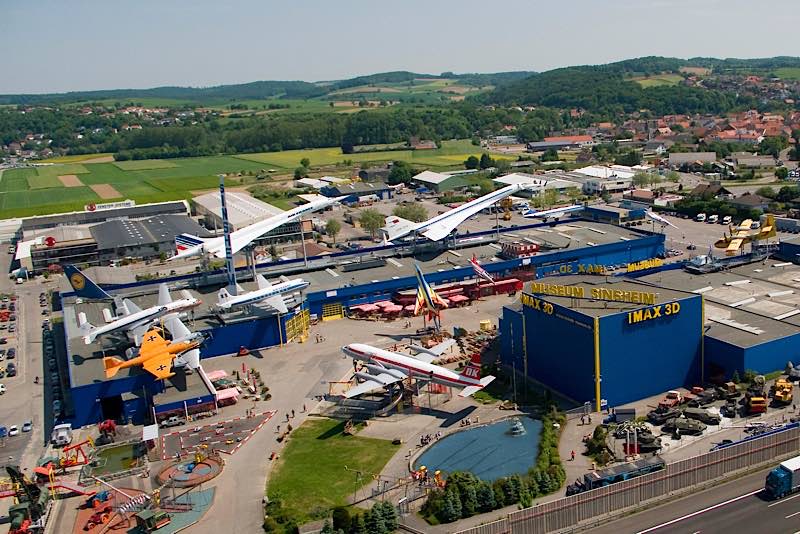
439 227
130 317
190 245
554 214
156 355
384 368
658 218
272 295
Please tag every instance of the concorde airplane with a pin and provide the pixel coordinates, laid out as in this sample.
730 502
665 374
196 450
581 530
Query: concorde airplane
130 318
658 218
555 213
443 225
191 245
384 368
155 355
272 295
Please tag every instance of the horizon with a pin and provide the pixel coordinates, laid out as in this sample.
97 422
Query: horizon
167 46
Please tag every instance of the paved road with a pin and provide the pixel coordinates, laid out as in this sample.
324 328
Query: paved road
737 506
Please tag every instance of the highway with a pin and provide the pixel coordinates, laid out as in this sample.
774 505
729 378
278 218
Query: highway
736 506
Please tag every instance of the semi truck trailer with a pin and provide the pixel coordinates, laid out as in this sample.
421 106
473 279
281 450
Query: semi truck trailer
784 479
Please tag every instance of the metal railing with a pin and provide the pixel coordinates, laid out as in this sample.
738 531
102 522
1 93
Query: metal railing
681 477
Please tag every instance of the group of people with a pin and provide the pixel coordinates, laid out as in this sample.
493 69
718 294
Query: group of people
288 418
468 421
318 338
427 438
586 419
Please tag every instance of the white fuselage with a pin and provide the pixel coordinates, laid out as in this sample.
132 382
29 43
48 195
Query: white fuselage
140 318
258 295
470 208
553 213
408 365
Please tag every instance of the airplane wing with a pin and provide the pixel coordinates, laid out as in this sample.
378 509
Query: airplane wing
151 340
163 295
160 365
277 303
443 227
190 358
130 307
734 245
371 384
428 355
138 334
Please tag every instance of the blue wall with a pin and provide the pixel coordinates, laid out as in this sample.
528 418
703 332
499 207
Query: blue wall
561 351
253 334
647 358
763 358
510 328
789 251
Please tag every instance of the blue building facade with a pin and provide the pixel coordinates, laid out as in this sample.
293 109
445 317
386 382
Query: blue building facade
593 354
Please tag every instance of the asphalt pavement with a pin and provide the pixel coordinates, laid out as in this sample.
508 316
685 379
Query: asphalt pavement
739 506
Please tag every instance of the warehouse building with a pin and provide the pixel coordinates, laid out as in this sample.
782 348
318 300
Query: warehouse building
243 210
594 338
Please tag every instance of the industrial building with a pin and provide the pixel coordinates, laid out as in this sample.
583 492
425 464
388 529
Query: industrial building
337 281
243 210
358 191
101 243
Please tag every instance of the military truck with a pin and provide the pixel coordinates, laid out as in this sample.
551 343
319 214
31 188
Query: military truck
702 415
682 425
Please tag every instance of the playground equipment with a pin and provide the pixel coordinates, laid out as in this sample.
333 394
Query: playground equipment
73 455
100 517
108 432
98 499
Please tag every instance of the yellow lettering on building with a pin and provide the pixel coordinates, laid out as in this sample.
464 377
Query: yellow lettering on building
557 290
655 312
617 295
591 268
645 264
537 304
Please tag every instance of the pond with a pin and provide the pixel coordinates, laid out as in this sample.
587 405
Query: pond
489 452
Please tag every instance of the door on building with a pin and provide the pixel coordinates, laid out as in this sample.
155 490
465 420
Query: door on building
112 408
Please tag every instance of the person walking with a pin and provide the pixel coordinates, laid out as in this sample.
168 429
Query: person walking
572 456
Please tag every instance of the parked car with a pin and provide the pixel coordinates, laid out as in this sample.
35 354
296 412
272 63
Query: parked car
11 370
27 426
3 432
13 430
172 421
11 354
2 388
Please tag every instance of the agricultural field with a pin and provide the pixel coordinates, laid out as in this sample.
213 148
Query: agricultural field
77 158
788 73
658 79
66 187
452 154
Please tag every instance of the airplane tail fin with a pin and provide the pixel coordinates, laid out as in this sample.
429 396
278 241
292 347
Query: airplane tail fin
112 366
473 368
85 328
223 297
395 227
187 245
263 283
83 285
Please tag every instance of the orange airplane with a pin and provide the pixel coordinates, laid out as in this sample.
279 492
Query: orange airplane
155 355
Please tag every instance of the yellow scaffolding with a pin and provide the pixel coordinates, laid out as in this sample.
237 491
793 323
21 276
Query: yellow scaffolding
298 326
331 312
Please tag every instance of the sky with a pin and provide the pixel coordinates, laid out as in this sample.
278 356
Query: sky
57 45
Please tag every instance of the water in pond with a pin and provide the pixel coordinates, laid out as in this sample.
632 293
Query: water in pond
490 452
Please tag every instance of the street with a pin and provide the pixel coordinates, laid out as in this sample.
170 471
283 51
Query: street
736 506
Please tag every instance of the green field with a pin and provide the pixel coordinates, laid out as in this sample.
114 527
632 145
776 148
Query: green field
77 158
659 79
788 73
310 476
144 164
38 191
452 154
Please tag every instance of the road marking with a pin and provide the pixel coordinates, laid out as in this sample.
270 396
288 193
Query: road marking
704 510
792 515
783 501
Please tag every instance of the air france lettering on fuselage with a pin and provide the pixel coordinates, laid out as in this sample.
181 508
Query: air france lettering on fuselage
655 312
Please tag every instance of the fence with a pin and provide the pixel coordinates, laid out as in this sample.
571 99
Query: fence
680 477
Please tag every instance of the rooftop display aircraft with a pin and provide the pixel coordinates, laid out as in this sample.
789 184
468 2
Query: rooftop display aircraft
266 292
745 233
155 355
554 214
384 368
658 218
191 245
130 317
480 271
443 225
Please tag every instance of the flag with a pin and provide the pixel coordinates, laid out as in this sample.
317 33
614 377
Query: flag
480 271
427 298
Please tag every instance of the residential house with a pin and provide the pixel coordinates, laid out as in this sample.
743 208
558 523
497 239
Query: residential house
359 191
690 158
750 201
658 147
712 191
644 196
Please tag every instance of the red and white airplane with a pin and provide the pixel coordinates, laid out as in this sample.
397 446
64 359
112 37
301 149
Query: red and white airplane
480 271
384 368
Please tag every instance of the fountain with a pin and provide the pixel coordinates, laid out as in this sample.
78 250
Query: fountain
517 428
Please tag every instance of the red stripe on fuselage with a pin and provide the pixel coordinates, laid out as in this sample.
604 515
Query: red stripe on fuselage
422 374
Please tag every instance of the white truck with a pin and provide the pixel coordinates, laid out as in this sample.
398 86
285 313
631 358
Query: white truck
61 435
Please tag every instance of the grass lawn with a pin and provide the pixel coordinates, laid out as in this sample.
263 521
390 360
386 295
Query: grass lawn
61 170
43 182
788 73
310 476
16 179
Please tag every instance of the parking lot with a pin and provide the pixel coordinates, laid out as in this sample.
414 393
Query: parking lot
225 436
